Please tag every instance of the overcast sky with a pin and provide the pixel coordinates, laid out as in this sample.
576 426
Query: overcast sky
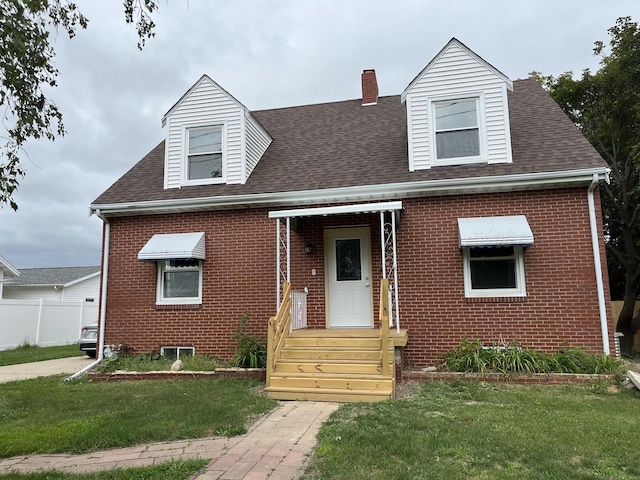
267 53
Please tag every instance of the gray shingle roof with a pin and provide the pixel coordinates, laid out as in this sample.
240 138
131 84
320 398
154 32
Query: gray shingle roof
344 144
51 276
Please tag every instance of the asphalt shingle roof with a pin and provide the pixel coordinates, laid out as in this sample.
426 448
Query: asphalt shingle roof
51 276
344 144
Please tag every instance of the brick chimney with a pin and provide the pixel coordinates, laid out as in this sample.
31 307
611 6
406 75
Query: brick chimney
369 87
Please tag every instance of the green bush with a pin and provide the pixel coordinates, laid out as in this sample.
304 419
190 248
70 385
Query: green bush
251 351
472 356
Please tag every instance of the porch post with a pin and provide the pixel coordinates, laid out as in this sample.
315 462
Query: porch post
382 246
288 249
395 271
390 264
277 264
283 272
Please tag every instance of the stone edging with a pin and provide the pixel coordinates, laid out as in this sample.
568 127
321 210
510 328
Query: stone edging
119 376
406 375
532 378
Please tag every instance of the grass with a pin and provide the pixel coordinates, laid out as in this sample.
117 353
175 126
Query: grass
473 430
155 362
32 353
173 470
45 415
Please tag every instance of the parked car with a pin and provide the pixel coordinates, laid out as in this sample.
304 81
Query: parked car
88 339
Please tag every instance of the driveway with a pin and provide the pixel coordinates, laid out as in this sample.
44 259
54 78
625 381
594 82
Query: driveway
45 368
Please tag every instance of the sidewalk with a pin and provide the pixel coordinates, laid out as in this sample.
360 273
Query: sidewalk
44 368
275 447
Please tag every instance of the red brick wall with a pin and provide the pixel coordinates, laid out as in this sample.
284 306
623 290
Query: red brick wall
560 309
238 276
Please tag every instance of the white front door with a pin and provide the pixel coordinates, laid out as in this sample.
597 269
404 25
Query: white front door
348 267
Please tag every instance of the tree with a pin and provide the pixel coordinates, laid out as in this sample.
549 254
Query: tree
26 66
606 107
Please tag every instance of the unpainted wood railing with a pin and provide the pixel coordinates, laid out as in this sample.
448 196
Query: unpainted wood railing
278 331
384 325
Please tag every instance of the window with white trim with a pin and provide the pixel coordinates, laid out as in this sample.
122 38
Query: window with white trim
174 353
179 281
457 133
204 153
494 271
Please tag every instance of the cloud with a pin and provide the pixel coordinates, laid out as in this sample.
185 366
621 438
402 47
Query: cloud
268 54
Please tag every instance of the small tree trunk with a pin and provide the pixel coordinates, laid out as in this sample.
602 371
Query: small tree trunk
627 323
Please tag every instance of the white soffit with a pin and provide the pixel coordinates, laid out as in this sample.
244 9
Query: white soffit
340 209
495 231
167 246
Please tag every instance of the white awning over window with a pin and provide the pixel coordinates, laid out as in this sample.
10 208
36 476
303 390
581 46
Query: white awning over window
495 231
167 246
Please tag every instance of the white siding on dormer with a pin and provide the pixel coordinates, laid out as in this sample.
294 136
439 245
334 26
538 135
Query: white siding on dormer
257 142
205 105
457 73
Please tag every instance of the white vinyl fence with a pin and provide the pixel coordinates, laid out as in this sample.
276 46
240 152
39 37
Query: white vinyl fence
45 323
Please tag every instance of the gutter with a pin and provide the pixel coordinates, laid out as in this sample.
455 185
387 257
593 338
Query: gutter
360 193
604 327
103 300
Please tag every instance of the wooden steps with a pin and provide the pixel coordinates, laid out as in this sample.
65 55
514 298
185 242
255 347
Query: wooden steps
339 365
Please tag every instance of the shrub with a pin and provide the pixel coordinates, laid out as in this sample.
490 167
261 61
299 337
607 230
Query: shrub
472 356
251 351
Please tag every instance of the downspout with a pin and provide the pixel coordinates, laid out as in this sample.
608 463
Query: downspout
604 327
103 300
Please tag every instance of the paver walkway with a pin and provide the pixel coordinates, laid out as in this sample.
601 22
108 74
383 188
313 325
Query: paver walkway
275 447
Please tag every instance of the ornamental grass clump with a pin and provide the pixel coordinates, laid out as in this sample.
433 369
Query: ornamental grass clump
251 351
472 356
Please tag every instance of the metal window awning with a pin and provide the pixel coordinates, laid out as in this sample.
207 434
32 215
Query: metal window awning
495 231
167 246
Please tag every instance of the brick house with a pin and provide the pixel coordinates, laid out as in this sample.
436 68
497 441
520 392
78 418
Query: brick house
467 206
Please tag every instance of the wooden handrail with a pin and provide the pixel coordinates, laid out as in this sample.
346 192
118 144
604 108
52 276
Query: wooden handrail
384 325
278 330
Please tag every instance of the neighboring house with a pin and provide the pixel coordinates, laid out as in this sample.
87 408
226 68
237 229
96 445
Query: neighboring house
474 195
63 284
7 271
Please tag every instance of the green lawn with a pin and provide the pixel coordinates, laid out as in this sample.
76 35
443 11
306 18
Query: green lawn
31 353
480 431
174 470
46 415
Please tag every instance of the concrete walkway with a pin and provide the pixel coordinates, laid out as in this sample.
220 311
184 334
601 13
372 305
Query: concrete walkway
45 368
275 447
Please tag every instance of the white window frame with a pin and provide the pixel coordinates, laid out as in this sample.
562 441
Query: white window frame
162 300
193 350
185 154
482 135
519 291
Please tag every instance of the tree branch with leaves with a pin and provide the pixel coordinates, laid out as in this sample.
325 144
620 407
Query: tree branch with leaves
27 67
606 107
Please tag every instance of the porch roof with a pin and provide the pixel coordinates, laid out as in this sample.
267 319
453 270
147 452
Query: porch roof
341 209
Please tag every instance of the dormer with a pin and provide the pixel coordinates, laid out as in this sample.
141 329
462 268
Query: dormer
457 111
211 138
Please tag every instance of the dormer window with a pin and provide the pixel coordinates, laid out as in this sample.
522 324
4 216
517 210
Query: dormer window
457 128
204 161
